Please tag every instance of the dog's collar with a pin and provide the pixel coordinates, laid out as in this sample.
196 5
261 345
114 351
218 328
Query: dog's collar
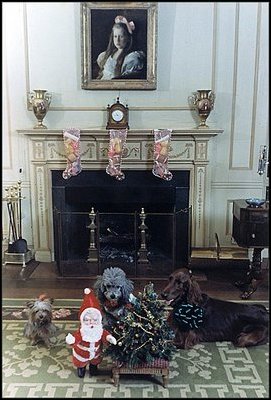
188 316
110 304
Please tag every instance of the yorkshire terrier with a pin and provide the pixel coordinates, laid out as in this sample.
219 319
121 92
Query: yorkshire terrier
39 327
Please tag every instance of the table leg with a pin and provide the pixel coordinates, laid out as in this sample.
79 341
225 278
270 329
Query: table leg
165 377
248 284
116 377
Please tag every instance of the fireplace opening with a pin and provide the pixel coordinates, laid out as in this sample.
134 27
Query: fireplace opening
141 224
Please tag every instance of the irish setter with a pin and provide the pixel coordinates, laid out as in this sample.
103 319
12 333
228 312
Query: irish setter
196 317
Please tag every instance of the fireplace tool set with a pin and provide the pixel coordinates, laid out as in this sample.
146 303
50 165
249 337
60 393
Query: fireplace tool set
17 252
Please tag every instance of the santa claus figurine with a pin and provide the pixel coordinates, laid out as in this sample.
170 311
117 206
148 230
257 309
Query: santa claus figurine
87 342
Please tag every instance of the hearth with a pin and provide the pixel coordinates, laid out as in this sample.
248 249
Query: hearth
141 224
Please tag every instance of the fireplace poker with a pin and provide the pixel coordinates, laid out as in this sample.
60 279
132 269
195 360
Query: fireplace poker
20 245
111 231
11 220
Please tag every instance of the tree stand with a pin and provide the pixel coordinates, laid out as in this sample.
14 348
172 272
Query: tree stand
158 367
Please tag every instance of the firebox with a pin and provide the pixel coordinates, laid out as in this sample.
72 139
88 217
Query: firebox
140 224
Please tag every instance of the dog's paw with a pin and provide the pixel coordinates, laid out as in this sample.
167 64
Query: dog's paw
53 340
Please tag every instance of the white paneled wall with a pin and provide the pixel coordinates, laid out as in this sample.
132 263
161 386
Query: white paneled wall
221 46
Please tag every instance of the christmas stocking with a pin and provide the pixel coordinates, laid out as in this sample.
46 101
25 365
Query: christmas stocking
161 148
116 147
72 150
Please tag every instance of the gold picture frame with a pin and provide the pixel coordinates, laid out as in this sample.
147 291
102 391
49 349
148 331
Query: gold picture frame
97 20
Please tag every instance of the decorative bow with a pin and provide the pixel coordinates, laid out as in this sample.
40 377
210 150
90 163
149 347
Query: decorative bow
130 25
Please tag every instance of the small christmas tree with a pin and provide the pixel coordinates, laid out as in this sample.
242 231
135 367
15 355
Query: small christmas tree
143 335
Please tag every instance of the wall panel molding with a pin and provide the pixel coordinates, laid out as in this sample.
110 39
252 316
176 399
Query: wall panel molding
214 50
237 185
239 74
6 139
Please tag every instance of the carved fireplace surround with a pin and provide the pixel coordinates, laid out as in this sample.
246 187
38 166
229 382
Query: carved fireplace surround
189 151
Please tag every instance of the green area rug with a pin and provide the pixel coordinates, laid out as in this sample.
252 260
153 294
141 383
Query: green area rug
210 370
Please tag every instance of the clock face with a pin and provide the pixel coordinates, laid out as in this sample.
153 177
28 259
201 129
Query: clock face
117 115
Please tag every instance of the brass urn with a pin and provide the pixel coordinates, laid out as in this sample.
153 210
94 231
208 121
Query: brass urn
203 99
40 100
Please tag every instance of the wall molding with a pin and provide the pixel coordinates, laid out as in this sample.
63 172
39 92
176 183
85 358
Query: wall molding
255 88
237 185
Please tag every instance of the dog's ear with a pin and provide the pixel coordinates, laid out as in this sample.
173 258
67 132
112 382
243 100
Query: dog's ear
30 303
194 294
51 300
127 288
99 287
98 282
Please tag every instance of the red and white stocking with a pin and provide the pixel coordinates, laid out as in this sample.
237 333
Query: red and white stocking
161 148
117 143
72 151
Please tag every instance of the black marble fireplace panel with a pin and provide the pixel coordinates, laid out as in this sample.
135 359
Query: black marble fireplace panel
117 206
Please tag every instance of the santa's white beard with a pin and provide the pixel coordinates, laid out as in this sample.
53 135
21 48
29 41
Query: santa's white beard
93 334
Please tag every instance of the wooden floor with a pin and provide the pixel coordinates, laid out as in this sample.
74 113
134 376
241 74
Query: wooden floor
216 278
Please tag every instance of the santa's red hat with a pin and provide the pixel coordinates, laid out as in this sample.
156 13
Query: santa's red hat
90 301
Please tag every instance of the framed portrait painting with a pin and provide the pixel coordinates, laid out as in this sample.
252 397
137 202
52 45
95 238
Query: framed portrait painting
118 45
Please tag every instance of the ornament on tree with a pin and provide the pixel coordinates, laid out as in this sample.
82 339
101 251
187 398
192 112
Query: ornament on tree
161 148
143 334
117 143
72 150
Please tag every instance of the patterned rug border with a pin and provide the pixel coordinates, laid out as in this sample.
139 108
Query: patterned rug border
63 309
7 302
23 299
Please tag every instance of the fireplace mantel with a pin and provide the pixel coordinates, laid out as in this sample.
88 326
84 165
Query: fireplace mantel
179 131
189 151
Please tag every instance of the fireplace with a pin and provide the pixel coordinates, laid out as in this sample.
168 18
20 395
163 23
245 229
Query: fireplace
188 153
141 224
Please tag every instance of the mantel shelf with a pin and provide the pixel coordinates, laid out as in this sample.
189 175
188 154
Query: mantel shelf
192 132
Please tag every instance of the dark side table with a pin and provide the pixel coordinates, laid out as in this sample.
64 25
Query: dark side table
250 230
